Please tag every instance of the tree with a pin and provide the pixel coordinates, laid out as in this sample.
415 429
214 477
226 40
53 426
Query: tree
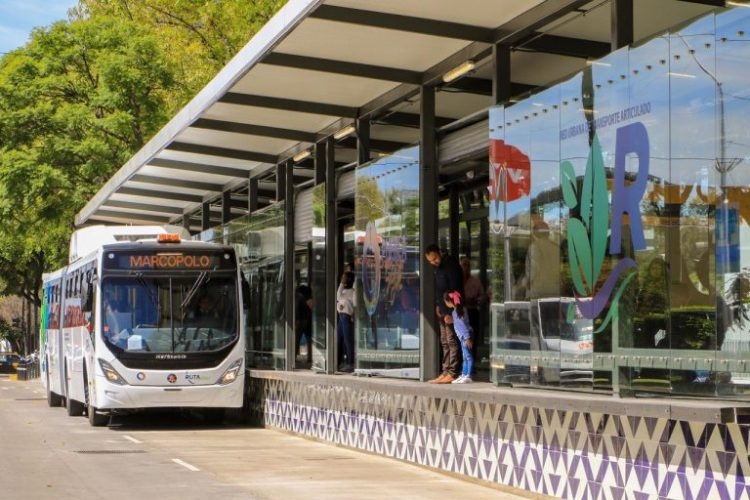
198 36
75 103
369 202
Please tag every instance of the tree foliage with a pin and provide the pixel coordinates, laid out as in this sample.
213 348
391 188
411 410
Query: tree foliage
75 103
199 36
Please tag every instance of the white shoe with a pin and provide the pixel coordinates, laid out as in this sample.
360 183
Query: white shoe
463 379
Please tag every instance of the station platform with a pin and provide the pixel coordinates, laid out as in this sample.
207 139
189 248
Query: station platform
547 442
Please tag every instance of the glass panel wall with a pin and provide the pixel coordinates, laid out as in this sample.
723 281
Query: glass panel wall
318 278
643 323
729 271
387 265
259 242
634 171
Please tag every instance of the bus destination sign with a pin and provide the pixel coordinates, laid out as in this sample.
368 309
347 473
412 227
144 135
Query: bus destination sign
168 260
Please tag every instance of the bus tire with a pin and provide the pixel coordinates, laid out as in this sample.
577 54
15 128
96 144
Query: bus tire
96 419
74 408
53 400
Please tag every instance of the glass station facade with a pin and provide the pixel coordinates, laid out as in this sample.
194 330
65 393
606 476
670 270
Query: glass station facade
618 207
619 212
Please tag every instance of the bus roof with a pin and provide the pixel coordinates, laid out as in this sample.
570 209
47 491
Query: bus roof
87 239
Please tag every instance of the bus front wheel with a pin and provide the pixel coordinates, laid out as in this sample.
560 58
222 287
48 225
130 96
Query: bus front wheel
74 408
53 400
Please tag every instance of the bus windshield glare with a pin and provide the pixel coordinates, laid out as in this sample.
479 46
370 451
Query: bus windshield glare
162 314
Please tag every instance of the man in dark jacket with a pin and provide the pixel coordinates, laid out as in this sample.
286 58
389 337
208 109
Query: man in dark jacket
448 276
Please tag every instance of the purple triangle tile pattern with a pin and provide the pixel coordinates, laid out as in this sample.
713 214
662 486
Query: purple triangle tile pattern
564 454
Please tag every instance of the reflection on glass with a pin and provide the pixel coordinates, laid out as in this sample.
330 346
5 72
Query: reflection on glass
168 315
258 240
651 209
387 265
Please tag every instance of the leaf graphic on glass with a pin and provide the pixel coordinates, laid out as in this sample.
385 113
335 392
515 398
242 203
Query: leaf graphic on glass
587 237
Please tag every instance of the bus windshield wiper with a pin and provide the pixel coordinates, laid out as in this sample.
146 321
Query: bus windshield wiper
142 281
194 289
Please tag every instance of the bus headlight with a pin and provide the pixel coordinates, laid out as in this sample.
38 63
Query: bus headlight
111 374
231 374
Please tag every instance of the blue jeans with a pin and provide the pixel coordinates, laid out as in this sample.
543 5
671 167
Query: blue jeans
346 335
468 360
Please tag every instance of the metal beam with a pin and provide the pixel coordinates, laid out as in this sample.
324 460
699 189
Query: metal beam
483 86
152 193
237 154
375 144
712 3
332 250
198 167
145 207
343 68
565 46
289 255
515 30
205 216
226 207
502 88
317 108
180 183
428 222
252 195
128 218
259 130
411 120
411 24
363 141
622 23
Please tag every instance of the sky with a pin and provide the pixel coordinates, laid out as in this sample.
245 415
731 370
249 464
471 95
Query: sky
19 17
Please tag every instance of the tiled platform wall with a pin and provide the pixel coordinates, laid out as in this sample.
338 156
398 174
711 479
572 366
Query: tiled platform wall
569 447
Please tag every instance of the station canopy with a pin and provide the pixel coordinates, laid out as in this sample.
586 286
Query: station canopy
320 65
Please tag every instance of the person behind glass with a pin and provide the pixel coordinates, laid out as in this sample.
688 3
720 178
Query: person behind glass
463 331
448 277
346 300
542 278
303 320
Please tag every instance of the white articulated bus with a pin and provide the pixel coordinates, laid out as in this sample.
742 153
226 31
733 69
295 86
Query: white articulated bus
143 318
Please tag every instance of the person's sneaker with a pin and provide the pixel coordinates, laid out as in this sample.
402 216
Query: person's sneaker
437 379
463 379
459 379
447 379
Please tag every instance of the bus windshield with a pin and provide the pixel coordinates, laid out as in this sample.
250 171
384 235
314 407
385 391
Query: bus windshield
168 314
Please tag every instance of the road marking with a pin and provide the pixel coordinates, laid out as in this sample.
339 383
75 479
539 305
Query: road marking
185 464
132 439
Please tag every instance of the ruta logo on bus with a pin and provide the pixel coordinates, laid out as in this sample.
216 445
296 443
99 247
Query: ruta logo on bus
589 231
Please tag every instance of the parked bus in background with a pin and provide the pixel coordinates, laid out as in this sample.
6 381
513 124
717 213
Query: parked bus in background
143 318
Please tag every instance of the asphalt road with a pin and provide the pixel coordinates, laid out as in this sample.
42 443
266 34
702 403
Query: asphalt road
44 454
